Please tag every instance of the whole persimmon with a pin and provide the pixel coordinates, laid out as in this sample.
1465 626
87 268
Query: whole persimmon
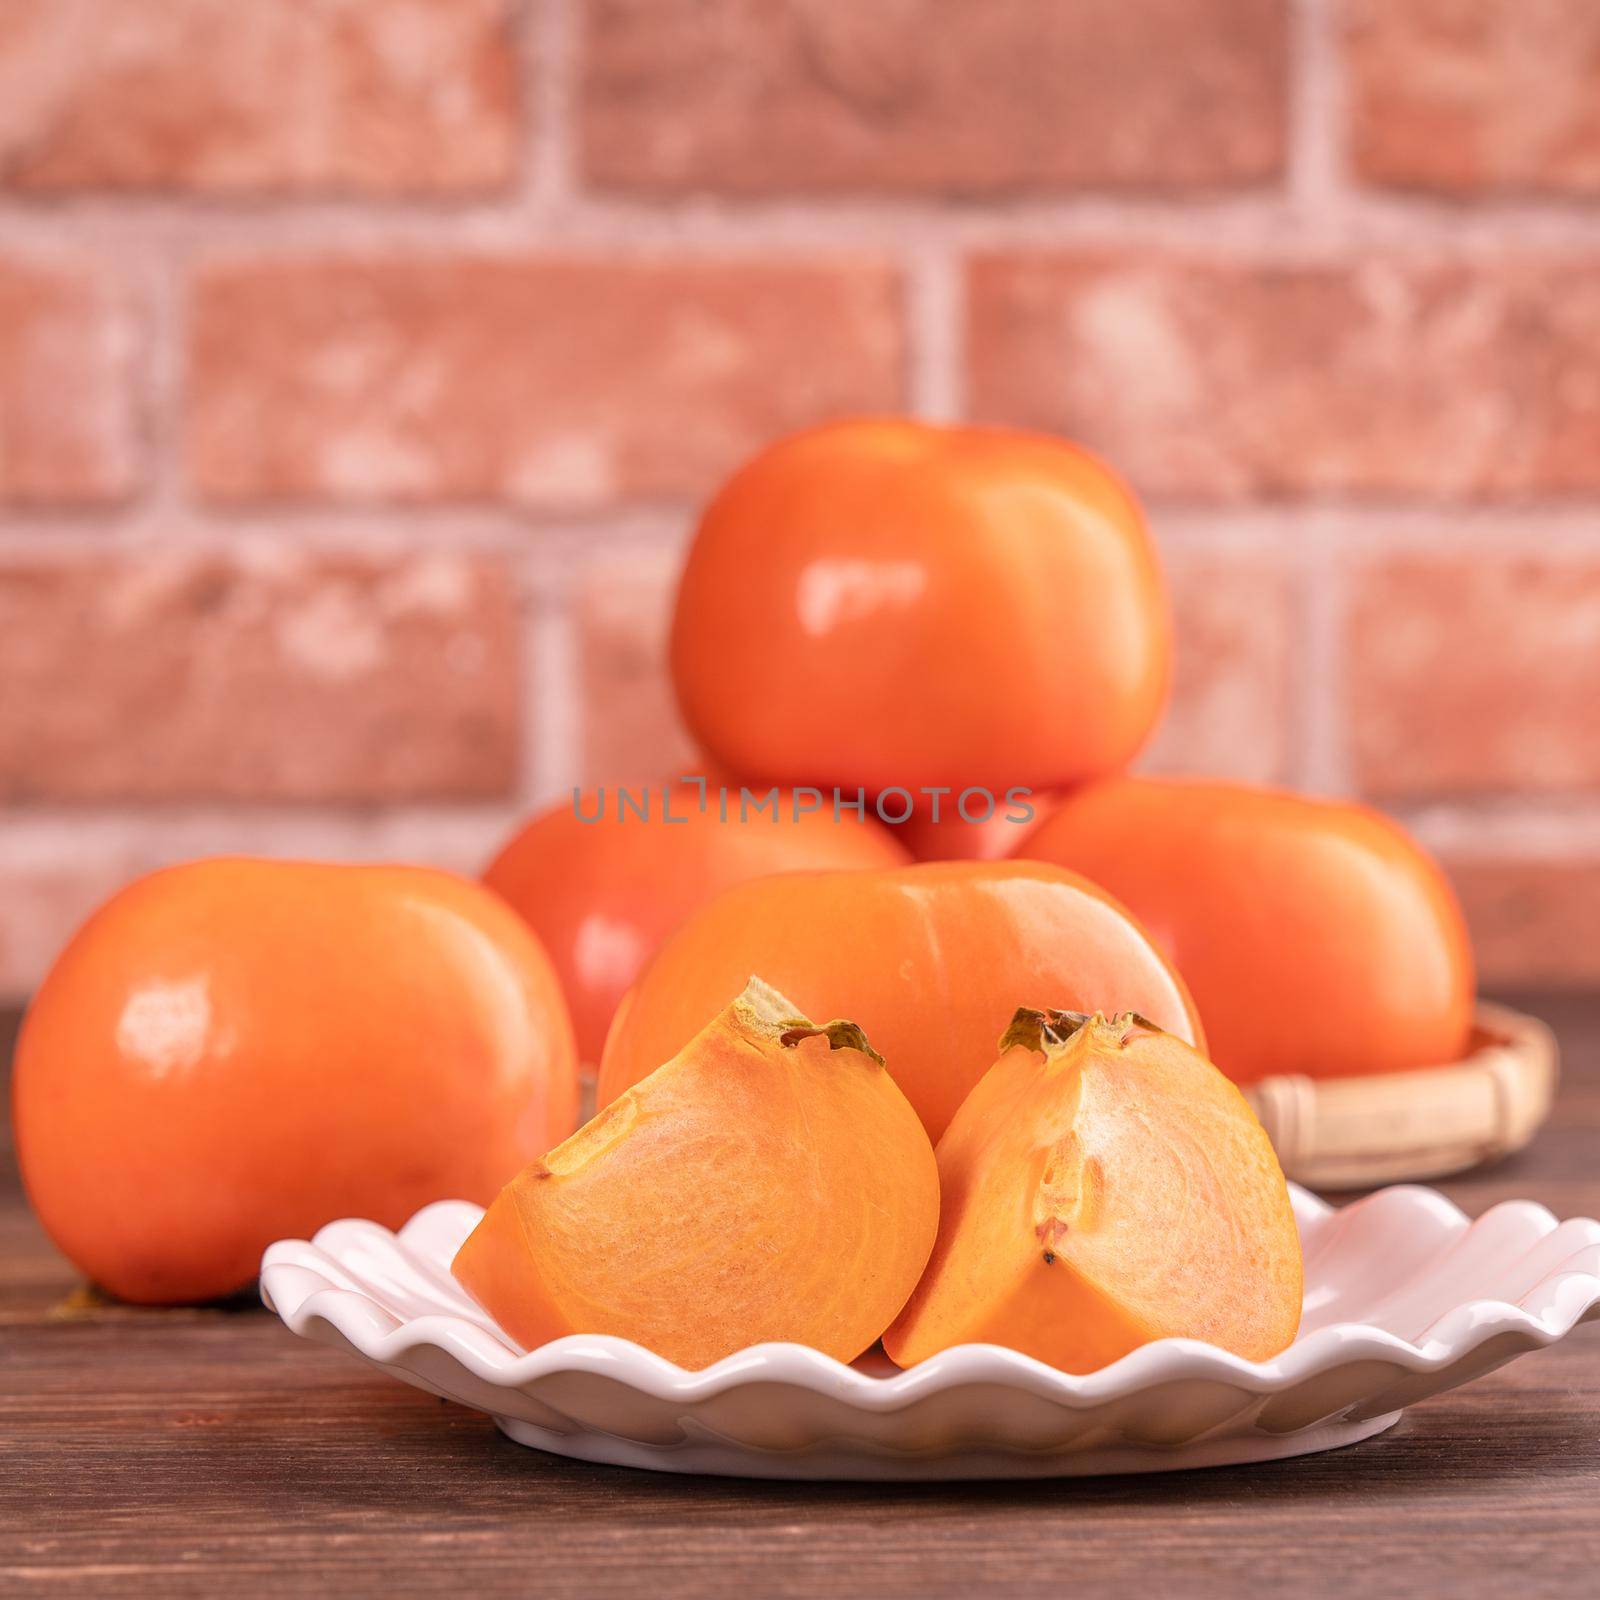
232 1051
1317 937
928 959
603 879
887 602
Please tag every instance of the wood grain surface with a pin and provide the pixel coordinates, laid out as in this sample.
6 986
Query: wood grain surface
209 1451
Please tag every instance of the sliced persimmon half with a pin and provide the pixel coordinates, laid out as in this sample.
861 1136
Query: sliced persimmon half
769 1182
1104 1185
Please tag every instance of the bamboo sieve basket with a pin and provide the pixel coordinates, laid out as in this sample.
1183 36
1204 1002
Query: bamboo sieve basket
1347 1133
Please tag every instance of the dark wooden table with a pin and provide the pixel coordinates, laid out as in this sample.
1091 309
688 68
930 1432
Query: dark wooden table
210 1451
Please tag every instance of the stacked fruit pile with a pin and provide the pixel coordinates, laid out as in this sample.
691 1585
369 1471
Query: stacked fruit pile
891 640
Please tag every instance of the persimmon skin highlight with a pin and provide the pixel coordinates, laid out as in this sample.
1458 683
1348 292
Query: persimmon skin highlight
602 895
1103 1186
881 601
235 1051
1317 937
769 1182
929 959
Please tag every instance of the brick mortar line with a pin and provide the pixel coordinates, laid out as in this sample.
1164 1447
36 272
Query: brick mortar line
550 729
935 313
1563 829
549 41
1321 538
392 535
1267 225
142 527
1566 533
1487 827
163 395
1317 177
47 834
1351 531
1319 661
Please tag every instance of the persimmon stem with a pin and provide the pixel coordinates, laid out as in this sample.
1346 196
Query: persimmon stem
840 1034
1050 1031
768 1014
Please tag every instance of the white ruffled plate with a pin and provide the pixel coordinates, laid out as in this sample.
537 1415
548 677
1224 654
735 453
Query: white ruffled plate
1404 1297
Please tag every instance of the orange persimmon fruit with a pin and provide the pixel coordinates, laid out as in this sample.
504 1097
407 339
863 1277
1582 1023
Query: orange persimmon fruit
1104 1185
929 959
887 602
1002 832
1332 910
602 886
233 1051
769 1182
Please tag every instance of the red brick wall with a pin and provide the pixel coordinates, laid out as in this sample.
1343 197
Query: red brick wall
361 362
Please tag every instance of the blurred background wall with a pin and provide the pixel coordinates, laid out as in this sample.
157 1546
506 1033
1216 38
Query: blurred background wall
362 362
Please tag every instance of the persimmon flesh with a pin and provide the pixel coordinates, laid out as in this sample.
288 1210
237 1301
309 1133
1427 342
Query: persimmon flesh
770 1182
929 959
1105 1185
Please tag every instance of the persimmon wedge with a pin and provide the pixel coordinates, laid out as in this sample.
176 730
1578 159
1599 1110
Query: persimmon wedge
769 1182
1104 1185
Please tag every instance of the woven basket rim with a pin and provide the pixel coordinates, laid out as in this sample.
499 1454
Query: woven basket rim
1389 1127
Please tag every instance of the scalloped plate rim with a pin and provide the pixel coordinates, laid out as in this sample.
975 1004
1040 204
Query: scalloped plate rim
357 1319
